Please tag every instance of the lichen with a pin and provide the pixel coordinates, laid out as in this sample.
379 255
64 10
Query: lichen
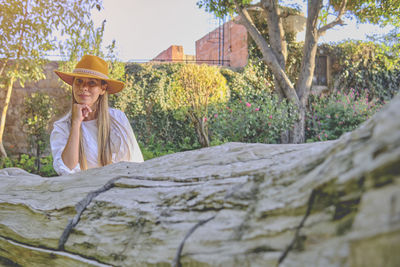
385 174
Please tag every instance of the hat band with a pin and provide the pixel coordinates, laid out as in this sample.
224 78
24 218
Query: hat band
93 72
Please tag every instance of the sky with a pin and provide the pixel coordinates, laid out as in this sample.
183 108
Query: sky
144 28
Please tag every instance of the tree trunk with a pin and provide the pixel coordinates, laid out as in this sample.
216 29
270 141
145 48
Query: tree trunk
4 115
11 83
276 32
306 75
269 56
38 156
204 134
297 135
304 82
278 44
201 130
3 66
274 54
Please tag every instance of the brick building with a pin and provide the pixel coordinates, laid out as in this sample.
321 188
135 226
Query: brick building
174 53
226 45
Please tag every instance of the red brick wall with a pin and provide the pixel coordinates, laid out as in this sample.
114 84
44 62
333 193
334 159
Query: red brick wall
234 45
174 53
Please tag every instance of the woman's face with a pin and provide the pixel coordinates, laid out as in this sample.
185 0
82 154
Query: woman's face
87 90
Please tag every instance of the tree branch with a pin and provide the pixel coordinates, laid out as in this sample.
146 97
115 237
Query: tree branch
268 55
3 66
275 30
304 82
337 21
255 7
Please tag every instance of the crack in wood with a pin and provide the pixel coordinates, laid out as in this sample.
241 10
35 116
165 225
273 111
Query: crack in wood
296 235
177 259
81 206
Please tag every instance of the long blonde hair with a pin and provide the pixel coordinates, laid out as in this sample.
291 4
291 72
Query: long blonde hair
104 154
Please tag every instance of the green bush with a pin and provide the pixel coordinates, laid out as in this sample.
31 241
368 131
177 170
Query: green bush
252 80
28 163
254 113
364 66
159 130
165 134
260 120
196 87
332 115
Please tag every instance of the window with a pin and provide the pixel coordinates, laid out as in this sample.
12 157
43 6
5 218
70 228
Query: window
321 71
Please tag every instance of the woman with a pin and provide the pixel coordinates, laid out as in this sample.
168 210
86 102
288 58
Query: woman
92 134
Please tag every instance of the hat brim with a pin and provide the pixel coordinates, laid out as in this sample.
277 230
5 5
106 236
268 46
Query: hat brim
113 87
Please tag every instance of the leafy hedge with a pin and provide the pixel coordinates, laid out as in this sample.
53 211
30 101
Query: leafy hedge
159 130
364 66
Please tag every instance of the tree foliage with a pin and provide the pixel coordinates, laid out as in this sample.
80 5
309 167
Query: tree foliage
321 16
28 31
38 113
198 86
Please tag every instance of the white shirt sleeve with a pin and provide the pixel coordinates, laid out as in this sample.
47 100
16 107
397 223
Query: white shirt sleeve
135 154
58 140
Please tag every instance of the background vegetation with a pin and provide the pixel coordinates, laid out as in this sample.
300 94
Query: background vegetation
365 76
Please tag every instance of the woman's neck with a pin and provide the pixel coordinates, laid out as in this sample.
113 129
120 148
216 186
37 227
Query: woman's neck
91 116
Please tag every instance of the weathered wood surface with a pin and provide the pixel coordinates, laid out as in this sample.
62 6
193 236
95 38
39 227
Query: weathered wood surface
331 203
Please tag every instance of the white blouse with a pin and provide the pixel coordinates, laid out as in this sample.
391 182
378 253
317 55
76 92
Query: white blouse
124 146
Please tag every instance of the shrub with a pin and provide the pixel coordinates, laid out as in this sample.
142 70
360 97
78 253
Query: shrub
146 86
28 163
166 134
195 88
364 65
260 120
332 115
158 129
253 80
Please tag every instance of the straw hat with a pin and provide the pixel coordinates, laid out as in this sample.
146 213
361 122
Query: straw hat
92 67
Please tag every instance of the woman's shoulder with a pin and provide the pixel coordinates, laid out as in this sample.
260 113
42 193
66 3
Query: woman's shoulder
116 113
64 120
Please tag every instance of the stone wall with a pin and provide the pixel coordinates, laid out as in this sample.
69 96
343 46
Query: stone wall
15 138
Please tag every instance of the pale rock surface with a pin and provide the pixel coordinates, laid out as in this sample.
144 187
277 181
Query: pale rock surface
331 203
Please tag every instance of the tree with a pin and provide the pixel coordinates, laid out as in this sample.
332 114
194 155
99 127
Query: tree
28 32
321 16
38 113
198 86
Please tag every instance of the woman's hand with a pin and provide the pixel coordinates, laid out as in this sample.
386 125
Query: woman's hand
70 154
80 112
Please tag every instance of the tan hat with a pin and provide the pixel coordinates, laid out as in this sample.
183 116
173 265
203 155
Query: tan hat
92 67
